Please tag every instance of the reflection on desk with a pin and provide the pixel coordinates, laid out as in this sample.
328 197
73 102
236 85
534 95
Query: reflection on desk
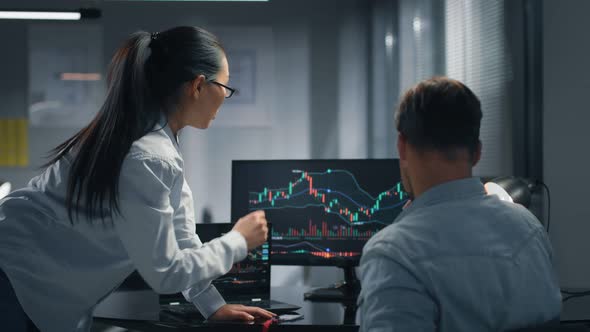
317 317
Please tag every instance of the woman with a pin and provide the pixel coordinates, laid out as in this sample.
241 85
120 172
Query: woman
114 199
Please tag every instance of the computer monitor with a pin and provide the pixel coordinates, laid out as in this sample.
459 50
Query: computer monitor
247 282
247 279
323 211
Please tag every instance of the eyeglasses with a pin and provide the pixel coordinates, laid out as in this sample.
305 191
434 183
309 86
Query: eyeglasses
228 91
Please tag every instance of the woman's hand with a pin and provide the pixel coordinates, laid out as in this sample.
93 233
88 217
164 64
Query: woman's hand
254 229
407 205
240 312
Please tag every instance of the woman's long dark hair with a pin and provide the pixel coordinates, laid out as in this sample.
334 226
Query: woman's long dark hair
145 80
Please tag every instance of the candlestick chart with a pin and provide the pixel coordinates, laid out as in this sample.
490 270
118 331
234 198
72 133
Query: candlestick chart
323 209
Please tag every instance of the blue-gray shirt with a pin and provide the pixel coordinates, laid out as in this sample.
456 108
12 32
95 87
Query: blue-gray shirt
458 260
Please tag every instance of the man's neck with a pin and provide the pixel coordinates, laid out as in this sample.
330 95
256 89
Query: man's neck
435 172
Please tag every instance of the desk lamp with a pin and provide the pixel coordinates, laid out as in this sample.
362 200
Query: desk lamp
517 190
4 188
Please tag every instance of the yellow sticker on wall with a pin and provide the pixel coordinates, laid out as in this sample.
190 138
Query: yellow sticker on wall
14 142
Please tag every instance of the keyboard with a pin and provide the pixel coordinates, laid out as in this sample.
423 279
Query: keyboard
186 310
261 303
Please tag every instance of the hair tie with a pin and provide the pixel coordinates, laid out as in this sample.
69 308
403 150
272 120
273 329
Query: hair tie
155 35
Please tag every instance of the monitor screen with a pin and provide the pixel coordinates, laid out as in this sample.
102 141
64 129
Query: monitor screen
322 211
248 278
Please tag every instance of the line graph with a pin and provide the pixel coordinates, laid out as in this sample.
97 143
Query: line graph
340 195
306 247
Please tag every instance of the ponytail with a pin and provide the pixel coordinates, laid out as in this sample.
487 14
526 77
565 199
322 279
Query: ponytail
144 80
101 146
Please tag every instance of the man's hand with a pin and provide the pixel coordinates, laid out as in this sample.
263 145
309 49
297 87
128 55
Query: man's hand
240 312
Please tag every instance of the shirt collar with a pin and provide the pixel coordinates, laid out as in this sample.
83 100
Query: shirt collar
448 191
165 127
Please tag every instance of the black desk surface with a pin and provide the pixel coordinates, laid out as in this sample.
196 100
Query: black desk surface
317 317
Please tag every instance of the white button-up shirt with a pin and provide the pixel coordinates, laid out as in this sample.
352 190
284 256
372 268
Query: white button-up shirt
60 271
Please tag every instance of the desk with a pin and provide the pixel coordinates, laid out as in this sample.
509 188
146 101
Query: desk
317 317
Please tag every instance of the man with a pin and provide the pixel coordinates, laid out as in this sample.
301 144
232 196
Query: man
455 259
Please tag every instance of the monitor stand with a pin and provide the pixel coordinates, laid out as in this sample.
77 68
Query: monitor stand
345 291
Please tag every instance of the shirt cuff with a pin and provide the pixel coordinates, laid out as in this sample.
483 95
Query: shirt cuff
238 242
208 301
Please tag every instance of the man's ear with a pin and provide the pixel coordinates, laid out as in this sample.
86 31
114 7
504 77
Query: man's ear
477 156
402 143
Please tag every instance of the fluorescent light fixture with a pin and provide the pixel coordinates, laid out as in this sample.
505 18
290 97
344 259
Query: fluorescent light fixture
44 105
80 77
21 15
188 0
66 15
